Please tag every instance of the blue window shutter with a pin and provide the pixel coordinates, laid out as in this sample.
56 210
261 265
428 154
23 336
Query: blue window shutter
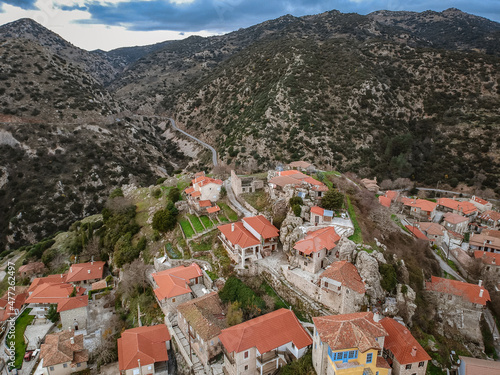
369 358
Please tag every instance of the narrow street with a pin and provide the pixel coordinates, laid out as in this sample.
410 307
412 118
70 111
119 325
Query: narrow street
234 201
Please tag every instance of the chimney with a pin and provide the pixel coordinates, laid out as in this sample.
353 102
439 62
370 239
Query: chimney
414 351
61 275
481 293
376 317
88 271
92 260
480 283
72 340
232 227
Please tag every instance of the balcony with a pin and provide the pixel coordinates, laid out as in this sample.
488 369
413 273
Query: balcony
229 356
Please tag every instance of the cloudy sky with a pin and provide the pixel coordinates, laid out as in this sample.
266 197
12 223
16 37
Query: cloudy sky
108 24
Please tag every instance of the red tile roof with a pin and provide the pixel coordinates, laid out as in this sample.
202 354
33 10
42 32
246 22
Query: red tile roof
237 234
416 232
299 164
382 363
189 190
470 292
384 201
479 200
53 293
475 366
266 332
174 281
347 274
71 303
213 209
262 226
283 181
144 344
58 349
432 229
402 344
324 238
51 279
296 174
320 188
196 194
464 207
487 257
452 218
357 330
9 304
203 180
205 203
85 271
317 210
101 284
391 194
490 215
423 204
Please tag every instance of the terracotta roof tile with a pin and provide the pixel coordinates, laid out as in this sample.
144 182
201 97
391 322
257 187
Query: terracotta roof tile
391 194
196 194
262 226
317 210
237 234
266 332
416 232
487 257
189 190
423 204
213 209
283 181
432 229
85 271
382 363
475 366
71 303
347 274
402 344
174 281
384 201
101 284
51 279
490 215
58 349
34 267
205 203
473 293
357 330
296 174
464 207
318 240
479 200
452 218
9 304
299 164
205 314
53 293
144 344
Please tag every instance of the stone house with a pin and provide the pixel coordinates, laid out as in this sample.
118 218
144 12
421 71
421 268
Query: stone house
203 188
455 222
174 286
201 321
243 184
481 204
285 183
144 350
74 312
402 351
63 353
341 280
45 293
476 366
319 216
370 185
465 208
490 218
491 263
264 344
85 274
459 304
434 232
33 269
312 251
488 240
384 201
349 344
251 239
421 209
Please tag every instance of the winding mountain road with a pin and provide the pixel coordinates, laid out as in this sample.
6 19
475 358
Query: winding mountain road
206 145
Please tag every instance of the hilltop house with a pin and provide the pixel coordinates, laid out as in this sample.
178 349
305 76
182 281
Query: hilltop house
63 353
491 262
488 240
286 182
420 209
74 312
319 216
245 184
251 239
481 204
85 274
349 344
314 248
459 304
345 288
144 350
490 218
455 222
302 166
174 286
201 321
370 185
402 351
33 269
434 232
264 344
204 188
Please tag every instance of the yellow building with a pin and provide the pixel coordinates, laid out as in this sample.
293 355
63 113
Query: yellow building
349 344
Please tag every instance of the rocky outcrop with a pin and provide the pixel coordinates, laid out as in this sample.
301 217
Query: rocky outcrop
405 298
347 249
367 266
290 232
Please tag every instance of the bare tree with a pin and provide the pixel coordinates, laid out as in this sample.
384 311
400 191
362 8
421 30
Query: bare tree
92 249
133 278
386 184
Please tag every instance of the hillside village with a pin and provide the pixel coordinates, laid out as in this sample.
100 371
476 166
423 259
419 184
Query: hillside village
276 272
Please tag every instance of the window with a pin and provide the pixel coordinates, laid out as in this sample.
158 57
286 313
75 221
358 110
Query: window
78 364
421 364
211 342
326 284
173 299
353 354
408 367
246 367
51 368
65 365
369 358
246 354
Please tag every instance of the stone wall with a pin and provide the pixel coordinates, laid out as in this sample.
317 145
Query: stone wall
235 183
79 315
